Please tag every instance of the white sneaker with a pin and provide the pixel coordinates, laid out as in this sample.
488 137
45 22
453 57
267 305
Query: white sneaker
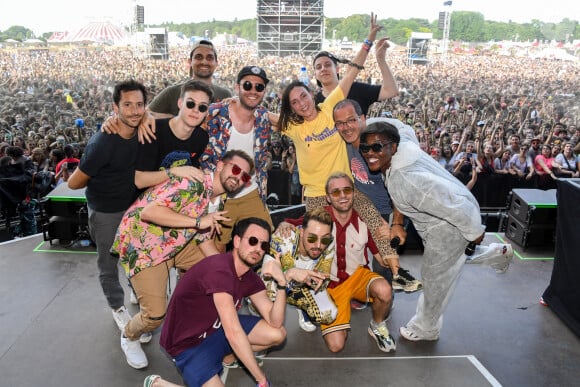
136 358
121 317
133 298
306 326
145 337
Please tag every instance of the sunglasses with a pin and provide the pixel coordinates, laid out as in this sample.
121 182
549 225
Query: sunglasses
236 170
264 245
202 107
247 85
325 240
335 193
376 147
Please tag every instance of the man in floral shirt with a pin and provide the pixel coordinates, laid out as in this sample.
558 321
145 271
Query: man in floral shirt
157 226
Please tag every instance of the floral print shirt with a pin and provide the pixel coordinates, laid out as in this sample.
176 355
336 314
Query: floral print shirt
218 126
140 244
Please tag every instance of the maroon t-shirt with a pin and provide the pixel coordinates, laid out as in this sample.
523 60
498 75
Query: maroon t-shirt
192 315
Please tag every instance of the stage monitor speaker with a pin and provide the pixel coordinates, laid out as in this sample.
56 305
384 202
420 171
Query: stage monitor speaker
525 236
534 206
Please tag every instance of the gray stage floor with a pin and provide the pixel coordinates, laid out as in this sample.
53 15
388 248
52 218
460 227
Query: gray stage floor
58 331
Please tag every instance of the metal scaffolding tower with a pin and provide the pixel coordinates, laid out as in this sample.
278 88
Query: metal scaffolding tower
290 27
446 27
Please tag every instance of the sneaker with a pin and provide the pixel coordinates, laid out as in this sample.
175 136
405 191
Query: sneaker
149 380
121 317
133 298
411 335
145 337
357 305
384 340
306 325
404 281
136 358
261 354
238 364
496 255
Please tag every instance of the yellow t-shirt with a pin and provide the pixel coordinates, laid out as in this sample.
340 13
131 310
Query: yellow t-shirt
320 150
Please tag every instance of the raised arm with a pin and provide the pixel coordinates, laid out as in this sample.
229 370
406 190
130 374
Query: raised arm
357 64
389 87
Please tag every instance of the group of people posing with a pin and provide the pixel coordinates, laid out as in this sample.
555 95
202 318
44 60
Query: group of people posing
181 183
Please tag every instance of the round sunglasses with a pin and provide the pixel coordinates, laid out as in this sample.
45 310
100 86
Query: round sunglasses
335 193
264 245
247 85
202 107
236 170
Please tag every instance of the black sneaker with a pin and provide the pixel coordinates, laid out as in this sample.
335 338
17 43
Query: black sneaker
404 281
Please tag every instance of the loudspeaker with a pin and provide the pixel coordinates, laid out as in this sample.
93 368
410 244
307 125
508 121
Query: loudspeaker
525 236
62 228
534 206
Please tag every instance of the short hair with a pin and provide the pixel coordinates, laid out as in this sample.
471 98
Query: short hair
195 85
382 128
240 153
242 225
347 102
128 85
318 214
204 43
337 175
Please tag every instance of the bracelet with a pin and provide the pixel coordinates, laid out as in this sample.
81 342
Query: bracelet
168 172
280 287
198 222
356 65
366 47
265 384
398 224
368 43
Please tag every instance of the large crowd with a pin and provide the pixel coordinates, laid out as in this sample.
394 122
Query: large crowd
50 98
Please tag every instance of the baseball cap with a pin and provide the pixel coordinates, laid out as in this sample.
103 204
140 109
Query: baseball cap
202 43
253 70
328 55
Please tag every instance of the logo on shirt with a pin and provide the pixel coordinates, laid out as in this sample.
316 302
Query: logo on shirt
326 133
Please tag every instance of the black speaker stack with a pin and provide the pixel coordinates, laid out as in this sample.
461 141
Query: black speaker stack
66 215
531 217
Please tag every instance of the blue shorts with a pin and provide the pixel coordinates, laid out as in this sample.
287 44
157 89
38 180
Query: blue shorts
202 362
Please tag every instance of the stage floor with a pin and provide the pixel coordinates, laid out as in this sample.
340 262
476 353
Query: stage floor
58 331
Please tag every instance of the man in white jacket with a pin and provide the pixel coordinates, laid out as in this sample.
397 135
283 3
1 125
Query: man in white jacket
443 210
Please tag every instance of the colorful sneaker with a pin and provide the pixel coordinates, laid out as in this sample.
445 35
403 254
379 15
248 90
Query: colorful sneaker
305 325
404 281
357 305
121 317
384 340
411 335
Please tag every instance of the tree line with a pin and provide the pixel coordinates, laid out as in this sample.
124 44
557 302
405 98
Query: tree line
464 26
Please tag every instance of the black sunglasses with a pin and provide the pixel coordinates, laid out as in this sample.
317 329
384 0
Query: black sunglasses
325 240
376 147
202 107
264 245
247 85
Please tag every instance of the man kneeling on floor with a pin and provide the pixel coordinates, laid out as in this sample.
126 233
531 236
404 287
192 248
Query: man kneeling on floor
202 324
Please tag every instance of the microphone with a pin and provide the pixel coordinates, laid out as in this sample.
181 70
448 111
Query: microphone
470 249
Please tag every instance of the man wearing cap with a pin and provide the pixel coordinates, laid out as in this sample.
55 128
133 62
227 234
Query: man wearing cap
243 124
203 61
326 73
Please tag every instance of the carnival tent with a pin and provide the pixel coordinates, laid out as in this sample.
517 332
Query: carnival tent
99 32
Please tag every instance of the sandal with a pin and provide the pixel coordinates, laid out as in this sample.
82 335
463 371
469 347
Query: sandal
149 380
